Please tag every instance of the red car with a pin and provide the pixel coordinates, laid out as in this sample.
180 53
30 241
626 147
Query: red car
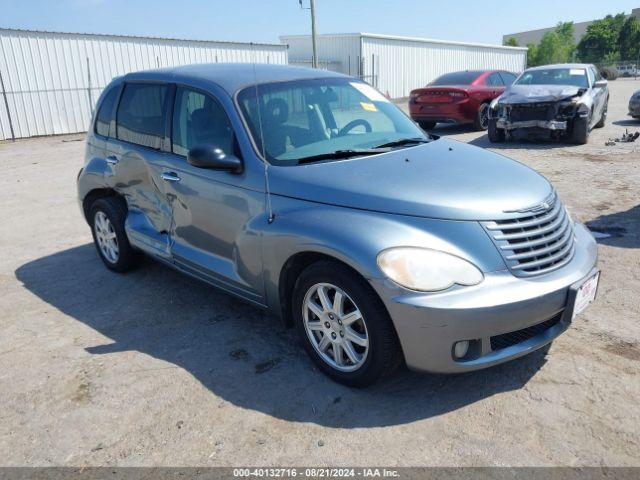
458 97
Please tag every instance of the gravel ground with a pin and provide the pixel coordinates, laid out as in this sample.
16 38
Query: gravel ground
152 368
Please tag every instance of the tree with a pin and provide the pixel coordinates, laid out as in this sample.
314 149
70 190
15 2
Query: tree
556 46
629 39
511 42
532 55
601 39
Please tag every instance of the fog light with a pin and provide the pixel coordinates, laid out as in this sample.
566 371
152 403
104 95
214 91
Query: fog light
460 349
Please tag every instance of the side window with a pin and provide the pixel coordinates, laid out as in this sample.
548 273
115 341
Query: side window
103 118
596 74
198 119
141 114
508 78
494 80
591 75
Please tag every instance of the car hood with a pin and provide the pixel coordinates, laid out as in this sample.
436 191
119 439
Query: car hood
538 93
441 179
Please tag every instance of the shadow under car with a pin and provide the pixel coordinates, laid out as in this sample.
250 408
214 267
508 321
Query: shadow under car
238 352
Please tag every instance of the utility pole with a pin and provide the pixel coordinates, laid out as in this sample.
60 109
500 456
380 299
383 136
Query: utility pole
314 59
314 47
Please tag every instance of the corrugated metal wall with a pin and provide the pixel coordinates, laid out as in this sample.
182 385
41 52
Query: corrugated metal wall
52 80
340 53
397 65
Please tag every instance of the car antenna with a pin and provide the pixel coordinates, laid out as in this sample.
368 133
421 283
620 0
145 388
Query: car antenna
271 216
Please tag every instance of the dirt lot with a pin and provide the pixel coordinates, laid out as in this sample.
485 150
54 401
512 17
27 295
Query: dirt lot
152 368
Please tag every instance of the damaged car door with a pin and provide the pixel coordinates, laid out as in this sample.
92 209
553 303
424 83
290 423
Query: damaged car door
136 152
551 102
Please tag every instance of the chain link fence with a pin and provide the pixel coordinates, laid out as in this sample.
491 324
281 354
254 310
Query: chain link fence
620 69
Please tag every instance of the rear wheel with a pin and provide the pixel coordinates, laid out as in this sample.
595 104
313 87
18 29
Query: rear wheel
427 125
481 122
343 325
496 135
580 130
107 217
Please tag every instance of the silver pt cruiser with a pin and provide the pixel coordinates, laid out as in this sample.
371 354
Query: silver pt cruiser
309 194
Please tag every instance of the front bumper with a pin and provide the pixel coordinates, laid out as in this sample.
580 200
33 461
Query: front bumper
545 124
428 325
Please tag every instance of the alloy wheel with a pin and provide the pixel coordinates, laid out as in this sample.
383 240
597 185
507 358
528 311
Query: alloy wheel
335 327
106 237
484 115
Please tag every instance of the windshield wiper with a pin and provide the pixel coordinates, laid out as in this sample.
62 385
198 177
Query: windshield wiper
403 141
340 154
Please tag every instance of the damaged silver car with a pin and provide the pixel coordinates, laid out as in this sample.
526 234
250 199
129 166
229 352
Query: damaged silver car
551 102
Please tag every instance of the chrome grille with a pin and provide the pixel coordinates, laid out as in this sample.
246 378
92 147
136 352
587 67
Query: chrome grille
534 243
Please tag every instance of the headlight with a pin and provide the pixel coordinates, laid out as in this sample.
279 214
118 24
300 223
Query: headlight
427 270
583 110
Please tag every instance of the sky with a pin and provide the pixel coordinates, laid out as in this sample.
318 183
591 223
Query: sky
264 20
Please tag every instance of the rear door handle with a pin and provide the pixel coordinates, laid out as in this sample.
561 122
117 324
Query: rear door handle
112 160
170 177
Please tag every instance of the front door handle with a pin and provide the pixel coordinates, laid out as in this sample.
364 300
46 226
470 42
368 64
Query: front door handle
170 177
112 159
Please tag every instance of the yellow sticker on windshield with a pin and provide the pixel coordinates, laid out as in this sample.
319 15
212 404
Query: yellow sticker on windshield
369 106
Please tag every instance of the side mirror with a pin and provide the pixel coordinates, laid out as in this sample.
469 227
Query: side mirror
210 156
600 84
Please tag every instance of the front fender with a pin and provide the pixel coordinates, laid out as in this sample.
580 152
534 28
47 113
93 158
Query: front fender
355 237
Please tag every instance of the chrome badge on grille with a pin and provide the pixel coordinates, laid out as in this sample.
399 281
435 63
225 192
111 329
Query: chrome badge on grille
536 239
537 208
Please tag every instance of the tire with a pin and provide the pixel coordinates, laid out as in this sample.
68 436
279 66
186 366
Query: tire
107 217
580 134
381 356
496 135
427 125
481 121
603 118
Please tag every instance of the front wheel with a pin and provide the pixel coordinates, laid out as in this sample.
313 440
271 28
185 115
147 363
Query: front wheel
343 325
496 135
580 134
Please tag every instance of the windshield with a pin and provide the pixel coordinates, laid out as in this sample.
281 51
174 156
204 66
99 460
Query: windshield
456 78
310 118
576 77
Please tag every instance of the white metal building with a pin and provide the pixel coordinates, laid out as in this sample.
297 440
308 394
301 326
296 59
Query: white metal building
51 81
397 65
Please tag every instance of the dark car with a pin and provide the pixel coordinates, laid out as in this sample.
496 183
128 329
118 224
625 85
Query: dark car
458 98
634 105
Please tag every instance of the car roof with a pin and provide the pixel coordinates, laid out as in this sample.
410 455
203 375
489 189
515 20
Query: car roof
560 65
232 76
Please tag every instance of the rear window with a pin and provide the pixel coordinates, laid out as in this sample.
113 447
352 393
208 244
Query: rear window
508 78
103 119
456 78
141 114
495 80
